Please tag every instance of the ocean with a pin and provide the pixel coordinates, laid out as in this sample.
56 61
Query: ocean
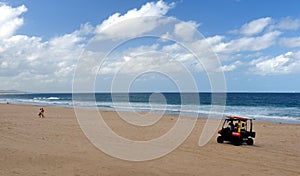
275 107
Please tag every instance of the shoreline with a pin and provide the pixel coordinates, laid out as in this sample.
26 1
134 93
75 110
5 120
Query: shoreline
56 145
280 121
262 107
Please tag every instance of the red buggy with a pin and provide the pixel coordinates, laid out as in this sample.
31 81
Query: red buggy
237 130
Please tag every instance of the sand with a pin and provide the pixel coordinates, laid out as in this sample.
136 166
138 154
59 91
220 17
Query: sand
57 146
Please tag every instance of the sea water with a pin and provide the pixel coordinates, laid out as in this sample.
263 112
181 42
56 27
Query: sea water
276 107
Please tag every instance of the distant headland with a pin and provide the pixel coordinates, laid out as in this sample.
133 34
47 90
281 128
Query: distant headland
12 92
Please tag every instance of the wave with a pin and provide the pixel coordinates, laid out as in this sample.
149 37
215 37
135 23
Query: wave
53 98
264 113
275 114
39 98
46 98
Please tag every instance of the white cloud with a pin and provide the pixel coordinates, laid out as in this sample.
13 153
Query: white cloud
29 62
53 61
46 65
232 66
18 52
248 43
10 19
29 54
283 64
151 61
115 61
288 24
267 33
186 30
159 8
35 65
130 24
164 57
292 42
135 61
215 40
255 26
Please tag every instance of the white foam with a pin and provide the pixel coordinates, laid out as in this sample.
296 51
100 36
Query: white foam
53 98
265 113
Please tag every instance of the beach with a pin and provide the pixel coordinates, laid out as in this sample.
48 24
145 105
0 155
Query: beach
56 145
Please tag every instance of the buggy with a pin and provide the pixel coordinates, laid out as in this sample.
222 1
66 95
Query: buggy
237 130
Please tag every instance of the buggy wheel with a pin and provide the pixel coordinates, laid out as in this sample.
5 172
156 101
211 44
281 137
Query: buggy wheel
220 139
250 141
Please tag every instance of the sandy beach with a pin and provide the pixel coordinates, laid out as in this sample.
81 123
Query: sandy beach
57 146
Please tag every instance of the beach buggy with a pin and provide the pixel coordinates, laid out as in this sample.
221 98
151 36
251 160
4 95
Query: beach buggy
237 130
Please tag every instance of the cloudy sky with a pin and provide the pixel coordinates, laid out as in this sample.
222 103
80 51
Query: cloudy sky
257 43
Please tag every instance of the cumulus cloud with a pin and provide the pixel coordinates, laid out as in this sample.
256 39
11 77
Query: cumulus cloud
258 35
248 43
185 30
232 66
114 62
288 24
282 64
118 27
159 8
215 40
10 19
151 61
292 42
29 59
130 24
255 26
19 53
52 62
27 62
153 57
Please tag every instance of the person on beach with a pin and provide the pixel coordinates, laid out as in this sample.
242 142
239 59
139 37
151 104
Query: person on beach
231 126
42 113
236 126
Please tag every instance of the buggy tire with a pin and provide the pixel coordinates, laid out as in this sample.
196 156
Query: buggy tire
250 141
220 139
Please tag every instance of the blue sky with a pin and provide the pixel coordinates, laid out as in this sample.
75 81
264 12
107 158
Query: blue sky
257 43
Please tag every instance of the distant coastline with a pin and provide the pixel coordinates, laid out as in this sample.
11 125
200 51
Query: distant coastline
12 92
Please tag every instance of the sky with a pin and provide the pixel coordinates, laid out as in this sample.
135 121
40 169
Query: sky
256 44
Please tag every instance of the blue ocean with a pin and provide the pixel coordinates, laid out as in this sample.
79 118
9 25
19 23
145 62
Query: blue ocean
275 107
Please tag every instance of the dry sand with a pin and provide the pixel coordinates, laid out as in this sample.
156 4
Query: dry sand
57 146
